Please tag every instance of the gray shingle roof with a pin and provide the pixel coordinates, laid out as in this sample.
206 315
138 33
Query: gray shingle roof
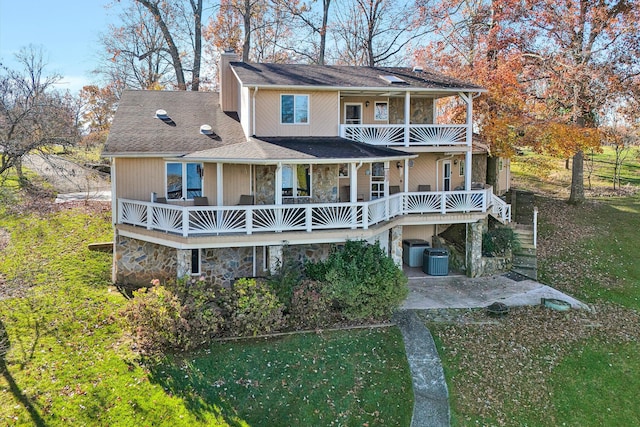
346 77
300 149
137 131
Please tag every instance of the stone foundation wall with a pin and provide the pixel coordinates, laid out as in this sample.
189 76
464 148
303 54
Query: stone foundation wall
496 265
137 263
299 254
223 266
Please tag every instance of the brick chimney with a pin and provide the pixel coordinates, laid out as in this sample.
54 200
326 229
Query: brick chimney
228 82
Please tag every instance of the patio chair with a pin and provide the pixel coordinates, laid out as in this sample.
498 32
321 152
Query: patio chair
394 189
246 199
424 187
161 200
200 201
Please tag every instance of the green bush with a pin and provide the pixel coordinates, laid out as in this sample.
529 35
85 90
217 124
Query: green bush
361 281
499 242
179 316
283 281
310 307
252 308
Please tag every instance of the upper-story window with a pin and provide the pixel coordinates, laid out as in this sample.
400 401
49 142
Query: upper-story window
294 109
184 180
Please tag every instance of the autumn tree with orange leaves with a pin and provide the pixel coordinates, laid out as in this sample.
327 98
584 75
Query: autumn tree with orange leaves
550 68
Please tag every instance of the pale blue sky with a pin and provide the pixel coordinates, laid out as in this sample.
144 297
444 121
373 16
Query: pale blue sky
68 31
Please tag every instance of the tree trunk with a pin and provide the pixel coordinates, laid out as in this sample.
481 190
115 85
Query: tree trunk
197 53
173 49
246 45
577 179
323 31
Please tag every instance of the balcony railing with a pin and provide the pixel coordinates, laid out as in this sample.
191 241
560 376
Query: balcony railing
394 135
191 221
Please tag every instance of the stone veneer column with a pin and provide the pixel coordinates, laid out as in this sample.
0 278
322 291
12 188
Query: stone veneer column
275 258
474 249
183 261
396 245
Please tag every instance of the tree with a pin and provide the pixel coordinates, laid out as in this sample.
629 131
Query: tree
476 41
175 20
581 54
134 53
33 116
316 23
375 32
98 108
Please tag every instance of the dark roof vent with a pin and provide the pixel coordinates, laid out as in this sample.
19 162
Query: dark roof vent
417 69
162 115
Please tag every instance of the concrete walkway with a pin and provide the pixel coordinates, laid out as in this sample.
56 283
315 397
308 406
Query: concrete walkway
431 396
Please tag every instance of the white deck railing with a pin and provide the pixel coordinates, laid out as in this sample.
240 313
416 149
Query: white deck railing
394 135
217 220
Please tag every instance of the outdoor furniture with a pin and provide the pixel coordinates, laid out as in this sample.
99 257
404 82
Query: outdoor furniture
200 201
246 199
424 187
394 189
161 200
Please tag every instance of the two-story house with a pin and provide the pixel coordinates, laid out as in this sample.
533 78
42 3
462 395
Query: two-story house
285 161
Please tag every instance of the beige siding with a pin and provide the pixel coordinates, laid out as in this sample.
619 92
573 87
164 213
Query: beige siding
424 232
228 83
237 181
138 178
423 172
323 115
245 110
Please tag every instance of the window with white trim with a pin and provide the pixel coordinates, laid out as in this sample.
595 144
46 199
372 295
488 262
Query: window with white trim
296 181
183 181
294 109
461 168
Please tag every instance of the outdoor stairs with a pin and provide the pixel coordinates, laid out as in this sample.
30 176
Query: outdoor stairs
525 261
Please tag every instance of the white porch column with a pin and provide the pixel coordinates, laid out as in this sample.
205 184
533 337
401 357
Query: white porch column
406 176
407 117
278 184
468 99
353 182
219 184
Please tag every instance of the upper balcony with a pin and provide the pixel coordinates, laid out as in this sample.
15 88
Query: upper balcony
430 135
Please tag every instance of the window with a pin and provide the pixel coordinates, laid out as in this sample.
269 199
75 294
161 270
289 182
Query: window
195 262
462 168
381 111
294 109
500 165
296 180
343 172
184 180
377 180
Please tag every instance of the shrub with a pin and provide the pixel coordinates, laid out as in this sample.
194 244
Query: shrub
179 316
287 276
499 242
361 280
154 314
310 307
252 308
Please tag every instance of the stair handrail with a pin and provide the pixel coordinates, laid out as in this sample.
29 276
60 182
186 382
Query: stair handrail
500 209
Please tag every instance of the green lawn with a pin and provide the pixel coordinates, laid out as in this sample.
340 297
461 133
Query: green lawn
69 361
536 367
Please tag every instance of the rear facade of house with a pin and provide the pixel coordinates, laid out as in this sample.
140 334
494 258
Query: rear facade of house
287 161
